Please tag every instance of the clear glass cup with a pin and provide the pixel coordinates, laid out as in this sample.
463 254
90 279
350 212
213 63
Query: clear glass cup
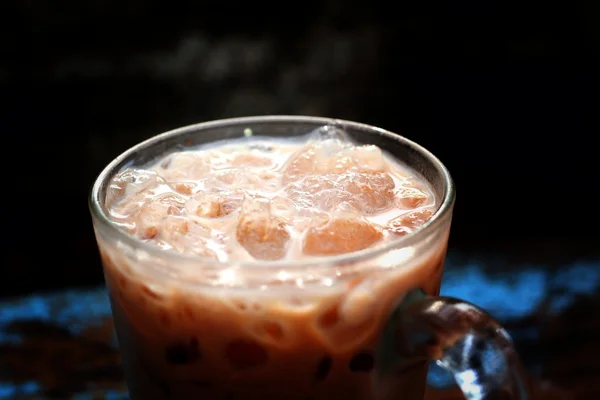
322 331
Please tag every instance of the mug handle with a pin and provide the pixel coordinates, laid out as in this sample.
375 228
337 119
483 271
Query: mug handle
461 338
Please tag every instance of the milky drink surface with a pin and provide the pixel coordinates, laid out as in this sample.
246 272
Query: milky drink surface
240 298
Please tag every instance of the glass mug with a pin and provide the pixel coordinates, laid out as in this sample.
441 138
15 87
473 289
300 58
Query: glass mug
317 334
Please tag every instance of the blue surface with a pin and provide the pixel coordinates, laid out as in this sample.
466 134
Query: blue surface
511 294
76 310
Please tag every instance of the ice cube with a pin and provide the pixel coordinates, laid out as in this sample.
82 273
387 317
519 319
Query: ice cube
185 188
410 197
333 156
114 193
366 193
251 160
131 181
214 203
367 158
175 225
243 178
174 202
128 206
315 159
149 219
300 164
184 166
152 213
369 193
339 236
173 228
309 192
329 133
263 235
407 223
196 240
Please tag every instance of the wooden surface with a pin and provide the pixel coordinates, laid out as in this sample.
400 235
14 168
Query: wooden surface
61 345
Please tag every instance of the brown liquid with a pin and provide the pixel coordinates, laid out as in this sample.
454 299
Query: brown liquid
190 333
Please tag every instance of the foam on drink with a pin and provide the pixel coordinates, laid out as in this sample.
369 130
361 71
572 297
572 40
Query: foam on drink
262 199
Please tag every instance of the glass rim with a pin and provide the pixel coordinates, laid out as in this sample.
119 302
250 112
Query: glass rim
441 214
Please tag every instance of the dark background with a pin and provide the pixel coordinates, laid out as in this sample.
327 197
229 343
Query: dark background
502 91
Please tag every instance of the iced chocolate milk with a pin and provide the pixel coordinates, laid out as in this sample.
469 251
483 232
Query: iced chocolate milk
266 266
